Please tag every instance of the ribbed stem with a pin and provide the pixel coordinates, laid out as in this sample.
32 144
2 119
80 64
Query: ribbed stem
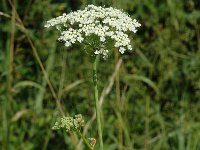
97 103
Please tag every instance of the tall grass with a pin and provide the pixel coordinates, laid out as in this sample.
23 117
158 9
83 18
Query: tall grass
153 103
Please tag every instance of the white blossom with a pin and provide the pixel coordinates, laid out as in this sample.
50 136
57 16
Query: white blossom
122 50
102 51
93 20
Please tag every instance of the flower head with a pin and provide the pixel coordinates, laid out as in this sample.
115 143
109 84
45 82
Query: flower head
104 23
69 123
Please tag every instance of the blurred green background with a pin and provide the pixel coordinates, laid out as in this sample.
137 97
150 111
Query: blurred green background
152 103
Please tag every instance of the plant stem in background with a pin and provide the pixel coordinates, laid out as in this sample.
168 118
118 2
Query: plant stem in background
147 109
7 102
97 102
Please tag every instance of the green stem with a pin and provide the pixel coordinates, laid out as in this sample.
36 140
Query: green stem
85 140
97 102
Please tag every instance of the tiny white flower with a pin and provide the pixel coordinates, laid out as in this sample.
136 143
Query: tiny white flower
73 40
122 50
102 39
67 44
80 25
80 39
97 52
129 47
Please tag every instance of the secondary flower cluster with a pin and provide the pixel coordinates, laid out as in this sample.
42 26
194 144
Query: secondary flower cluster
69 123
106 23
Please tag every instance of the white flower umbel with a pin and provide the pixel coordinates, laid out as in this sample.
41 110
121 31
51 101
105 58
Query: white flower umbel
106 23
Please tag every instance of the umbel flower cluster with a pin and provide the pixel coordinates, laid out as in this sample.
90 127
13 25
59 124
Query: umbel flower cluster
105 23
69 123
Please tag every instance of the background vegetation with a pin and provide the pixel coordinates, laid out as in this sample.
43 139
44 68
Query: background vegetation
152 98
